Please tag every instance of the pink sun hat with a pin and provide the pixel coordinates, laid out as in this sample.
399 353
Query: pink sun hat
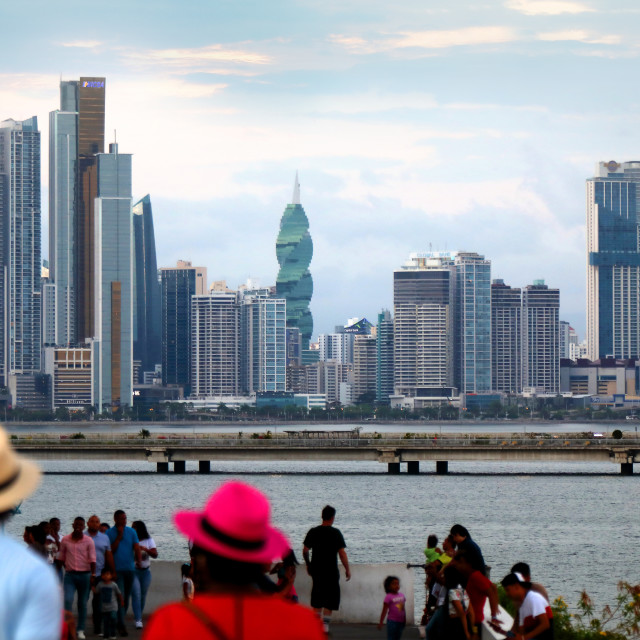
236 524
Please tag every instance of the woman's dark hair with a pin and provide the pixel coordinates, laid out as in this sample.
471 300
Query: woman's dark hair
210 567
458 529
141 529
39 534
452 577
290 559
185 569
387 582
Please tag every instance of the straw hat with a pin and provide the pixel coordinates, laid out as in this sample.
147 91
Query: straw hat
18 477
235 524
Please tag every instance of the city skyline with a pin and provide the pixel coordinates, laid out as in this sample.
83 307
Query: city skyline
457 127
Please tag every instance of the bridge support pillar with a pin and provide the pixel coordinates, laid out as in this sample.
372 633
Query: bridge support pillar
413 467
626 468
204 466
442 467
394 468
162 467
179 466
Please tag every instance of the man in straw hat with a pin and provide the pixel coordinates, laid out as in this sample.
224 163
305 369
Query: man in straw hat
233 545
30 597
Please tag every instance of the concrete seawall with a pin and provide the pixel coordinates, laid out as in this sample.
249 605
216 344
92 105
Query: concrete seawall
361 601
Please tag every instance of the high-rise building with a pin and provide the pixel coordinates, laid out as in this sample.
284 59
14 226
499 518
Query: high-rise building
147 324
179 283
214 343
263 346
472 323
506 338
613 261
294 250
364 368
565 330
336 346
423 301
112 281
63 176
20 278
384 347
89 102
541 338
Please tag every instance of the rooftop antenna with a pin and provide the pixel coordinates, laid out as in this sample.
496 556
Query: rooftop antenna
296 191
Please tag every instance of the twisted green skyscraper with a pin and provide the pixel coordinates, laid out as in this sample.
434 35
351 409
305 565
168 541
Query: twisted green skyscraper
294 250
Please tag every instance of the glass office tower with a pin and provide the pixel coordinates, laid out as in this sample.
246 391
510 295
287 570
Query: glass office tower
147 324
21 320
179 284
613 261
506 338
472 373
294 250
384 357
90 108
113 311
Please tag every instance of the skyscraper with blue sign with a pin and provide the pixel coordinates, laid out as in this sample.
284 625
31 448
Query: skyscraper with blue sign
613 261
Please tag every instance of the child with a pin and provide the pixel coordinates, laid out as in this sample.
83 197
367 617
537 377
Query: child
393 605
110 596
187 583
432 552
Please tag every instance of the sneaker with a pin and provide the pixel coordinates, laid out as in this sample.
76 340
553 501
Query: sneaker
81 635
138 624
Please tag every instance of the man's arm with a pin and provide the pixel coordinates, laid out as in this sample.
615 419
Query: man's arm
137 554
108 561
345 563
62 555
307 558
118 539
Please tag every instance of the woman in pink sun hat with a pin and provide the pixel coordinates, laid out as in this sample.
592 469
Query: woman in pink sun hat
233 545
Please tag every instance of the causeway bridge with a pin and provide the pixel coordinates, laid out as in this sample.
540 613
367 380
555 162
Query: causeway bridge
393 450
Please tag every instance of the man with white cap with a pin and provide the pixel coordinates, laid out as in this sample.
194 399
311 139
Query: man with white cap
30 596
234 543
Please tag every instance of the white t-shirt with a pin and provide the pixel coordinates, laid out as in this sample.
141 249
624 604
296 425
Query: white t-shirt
30 595
145 563
532 606
190 587
461 596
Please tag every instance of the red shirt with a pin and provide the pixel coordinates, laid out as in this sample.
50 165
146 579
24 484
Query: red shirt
478 587
263 616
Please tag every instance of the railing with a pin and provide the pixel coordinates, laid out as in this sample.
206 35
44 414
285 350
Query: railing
400 442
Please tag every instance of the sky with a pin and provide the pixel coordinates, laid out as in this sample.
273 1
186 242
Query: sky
460 126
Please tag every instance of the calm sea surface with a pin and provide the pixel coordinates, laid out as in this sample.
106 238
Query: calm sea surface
578 525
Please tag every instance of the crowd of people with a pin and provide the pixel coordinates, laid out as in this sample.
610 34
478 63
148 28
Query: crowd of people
107 564
458 589
231 588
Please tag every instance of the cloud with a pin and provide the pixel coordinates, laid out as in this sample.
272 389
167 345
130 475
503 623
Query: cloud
82 44
547 7
426 40
198 58
579 35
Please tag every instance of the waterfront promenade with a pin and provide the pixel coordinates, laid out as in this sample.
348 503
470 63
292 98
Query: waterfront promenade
395 450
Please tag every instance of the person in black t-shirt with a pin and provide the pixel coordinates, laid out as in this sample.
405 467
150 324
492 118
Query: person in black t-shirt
326 544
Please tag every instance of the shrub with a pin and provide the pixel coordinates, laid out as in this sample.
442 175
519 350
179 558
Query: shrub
617 434
78 436
144 433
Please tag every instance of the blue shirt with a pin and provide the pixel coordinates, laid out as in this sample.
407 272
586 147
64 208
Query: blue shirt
30 595
123 556
102 544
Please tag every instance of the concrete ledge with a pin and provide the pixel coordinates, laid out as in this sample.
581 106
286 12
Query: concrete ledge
361 600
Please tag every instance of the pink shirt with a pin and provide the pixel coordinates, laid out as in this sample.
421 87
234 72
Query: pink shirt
396 607
77 555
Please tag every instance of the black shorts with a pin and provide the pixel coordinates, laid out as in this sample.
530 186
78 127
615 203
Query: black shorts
325 593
